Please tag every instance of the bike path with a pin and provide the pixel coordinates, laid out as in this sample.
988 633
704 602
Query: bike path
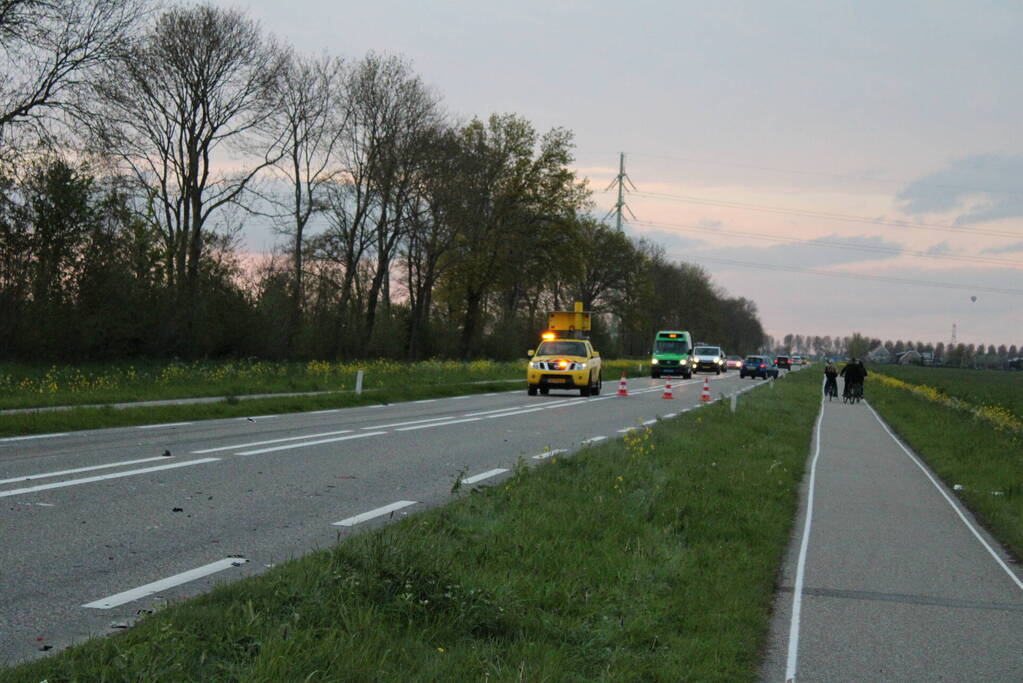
889 578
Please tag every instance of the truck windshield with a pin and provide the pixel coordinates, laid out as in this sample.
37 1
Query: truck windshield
678 346
562 348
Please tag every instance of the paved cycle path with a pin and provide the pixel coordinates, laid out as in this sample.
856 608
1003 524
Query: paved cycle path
888 577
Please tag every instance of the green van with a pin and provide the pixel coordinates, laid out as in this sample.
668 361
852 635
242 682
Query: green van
672 354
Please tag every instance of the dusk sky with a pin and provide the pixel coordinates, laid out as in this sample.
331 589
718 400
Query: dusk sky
754 133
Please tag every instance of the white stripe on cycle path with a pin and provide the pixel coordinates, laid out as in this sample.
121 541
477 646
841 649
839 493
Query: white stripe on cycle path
484 475
263 443
115 475
373 514
164 584
305 444
46 475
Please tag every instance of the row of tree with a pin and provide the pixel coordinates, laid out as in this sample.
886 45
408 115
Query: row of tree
857 345
133 157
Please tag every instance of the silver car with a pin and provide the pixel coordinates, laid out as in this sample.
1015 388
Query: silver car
709 358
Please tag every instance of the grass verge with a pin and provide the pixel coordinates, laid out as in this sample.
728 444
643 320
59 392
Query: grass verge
978 387
653 557
965 450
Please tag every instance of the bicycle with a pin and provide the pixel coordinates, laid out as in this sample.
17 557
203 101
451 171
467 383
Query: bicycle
831 389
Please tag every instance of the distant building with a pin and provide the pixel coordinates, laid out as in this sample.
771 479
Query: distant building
911 357
927 357
879 355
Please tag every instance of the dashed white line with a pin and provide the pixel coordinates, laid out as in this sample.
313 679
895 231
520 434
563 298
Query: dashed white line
426 400
411 422
263 443
649 422
549 454
668 416
372 514
437 424
164 584
34 436
485 475
169 424
61 473
627 430
324 412
305 444
461 398
593 439
115 475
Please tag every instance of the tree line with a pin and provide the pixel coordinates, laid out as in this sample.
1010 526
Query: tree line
137 147
858 345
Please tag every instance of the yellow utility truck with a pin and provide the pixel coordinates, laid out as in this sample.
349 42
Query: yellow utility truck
565 358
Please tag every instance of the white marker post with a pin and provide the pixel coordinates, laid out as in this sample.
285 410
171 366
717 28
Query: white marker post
358 382
734 401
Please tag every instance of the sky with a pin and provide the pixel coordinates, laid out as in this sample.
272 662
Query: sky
757 136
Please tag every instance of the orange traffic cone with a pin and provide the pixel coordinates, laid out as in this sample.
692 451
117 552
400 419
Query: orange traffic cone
622 391
705 394
667 389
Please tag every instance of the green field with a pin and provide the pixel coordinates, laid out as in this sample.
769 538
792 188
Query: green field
651 558
978 387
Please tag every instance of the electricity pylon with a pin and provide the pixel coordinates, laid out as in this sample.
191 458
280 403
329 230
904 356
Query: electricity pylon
620 180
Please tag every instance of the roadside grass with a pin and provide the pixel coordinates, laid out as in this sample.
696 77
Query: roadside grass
979 387
961 448
86 389
652 558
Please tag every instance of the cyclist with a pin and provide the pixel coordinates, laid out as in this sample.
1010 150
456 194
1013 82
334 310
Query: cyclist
854 374
830 379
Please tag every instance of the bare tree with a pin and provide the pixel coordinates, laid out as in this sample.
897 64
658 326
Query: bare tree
50 48
306 126
174 105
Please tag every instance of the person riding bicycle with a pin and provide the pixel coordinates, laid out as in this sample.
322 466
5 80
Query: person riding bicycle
830 379
854 374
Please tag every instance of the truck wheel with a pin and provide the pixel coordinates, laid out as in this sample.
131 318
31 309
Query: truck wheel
531 390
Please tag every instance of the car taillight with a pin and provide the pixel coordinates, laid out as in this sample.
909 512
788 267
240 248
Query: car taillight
761 365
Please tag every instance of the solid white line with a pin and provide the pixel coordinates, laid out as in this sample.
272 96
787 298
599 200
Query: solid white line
263 443
379 512
116 475
973 529
517 412
593 439
79 469
410 422
550 453
36 436
797 591
169 424
437 424
484 475
164 584
309 443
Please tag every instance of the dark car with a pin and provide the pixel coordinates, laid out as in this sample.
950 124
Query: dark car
783 362
757 366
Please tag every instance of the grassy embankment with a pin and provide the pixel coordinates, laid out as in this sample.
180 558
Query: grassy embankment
966 433
648 558
29 386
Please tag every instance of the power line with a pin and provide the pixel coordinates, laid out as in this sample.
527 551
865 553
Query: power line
676 227
827 215
838 176
857 276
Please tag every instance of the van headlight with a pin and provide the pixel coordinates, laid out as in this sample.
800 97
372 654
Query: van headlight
653 361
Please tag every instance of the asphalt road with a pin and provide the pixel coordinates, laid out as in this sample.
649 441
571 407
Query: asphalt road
891 579
98 525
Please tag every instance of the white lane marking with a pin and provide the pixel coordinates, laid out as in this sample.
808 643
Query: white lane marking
324 412
797 591
263 443
491 394
372 514
627 430
522 411
258 417
461 398
649 422
169 424
45 475
668 416
437 424
164 584
593 439
973 529
35 436
485 475
305 444
426 400
115 475
411 422
549 454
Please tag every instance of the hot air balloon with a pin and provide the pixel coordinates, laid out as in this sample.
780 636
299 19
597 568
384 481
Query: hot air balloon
973 299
